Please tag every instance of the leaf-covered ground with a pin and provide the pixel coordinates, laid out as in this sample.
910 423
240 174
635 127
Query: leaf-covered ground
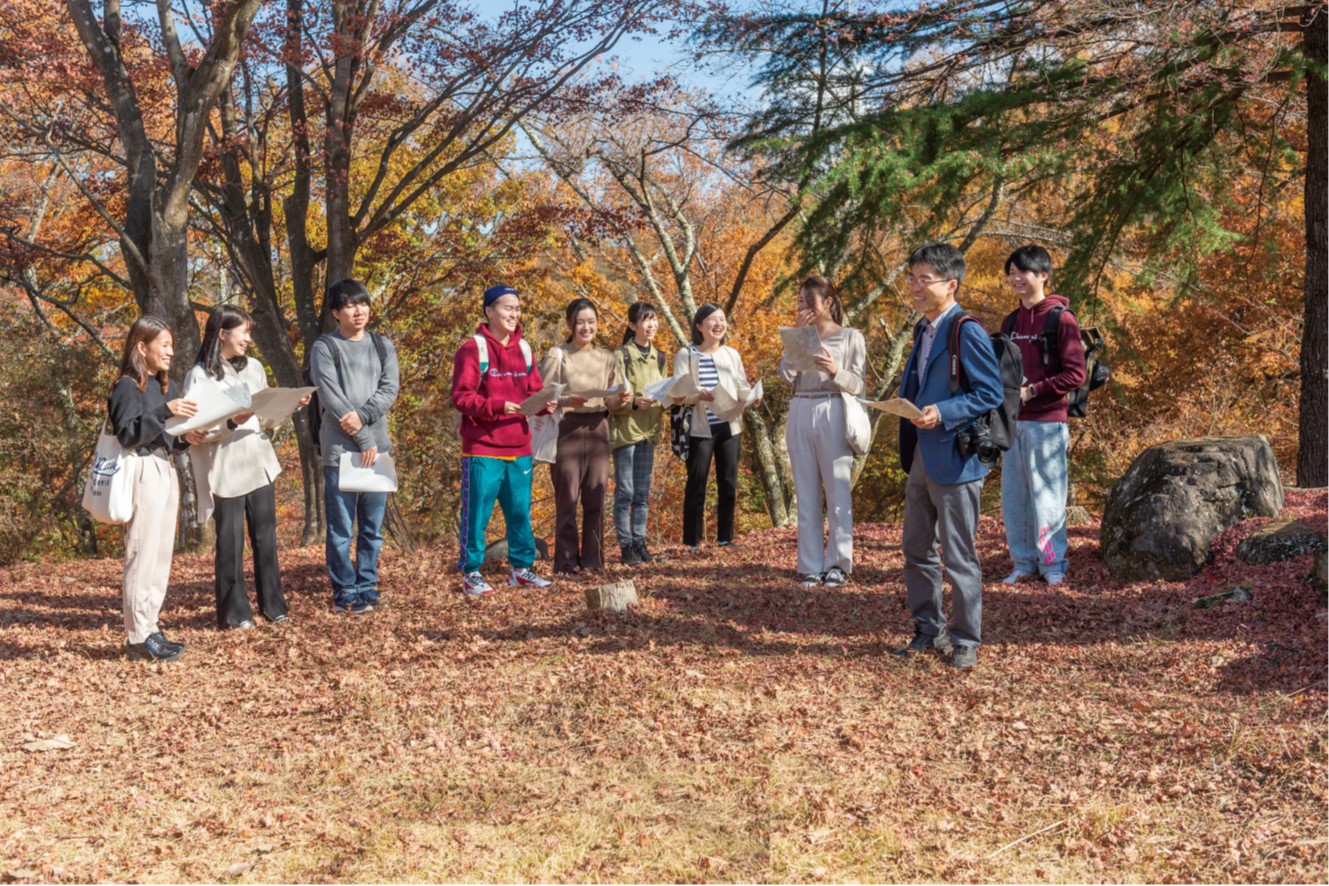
735 728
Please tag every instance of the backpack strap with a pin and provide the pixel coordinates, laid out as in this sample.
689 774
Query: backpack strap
482 350
526 354
1008 324
958 376
1050 335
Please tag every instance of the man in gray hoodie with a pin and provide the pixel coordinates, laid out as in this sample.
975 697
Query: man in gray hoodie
357 377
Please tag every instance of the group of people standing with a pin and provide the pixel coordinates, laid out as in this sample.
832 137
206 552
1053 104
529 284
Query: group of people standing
603 414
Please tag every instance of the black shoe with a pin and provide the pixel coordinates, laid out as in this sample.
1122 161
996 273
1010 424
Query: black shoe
170 644
642 552
835 578
922 643
153 649
629 555
965 657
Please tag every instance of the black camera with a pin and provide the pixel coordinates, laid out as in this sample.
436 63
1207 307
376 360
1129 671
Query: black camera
977 440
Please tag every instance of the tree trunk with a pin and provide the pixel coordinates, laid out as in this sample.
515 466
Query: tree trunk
778 491
1313 436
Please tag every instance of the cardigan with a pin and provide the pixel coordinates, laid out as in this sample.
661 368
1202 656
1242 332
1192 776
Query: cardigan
729 366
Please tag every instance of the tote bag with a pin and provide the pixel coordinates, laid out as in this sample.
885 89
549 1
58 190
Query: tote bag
857 425
109 493
544 428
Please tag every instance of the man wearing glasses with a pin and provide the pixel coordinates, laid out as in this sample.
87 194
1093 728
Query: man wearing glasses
941 494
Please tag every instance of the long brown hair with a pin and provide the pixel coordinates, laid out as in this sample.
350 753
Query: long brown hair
819 285
145 330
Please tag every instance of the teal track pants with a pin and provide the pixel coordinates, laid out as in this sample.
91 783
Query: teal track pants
485 481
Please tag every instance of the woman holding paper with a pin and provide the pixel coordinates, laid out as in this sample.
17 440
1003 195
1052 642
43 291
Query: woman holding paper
816 435
234 469
142 400
580 472
633 429
711 365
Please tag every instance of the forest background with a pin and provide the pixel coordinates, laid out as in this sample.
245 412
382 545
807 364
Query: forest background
168 157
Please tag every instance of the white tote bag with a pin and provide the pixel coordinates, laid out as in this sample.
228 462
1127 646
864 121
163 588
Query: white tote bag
544 437
544 428
857 425
109 493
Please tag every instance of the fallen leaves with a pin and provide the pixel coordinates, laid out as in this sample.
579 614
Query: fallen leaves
59 742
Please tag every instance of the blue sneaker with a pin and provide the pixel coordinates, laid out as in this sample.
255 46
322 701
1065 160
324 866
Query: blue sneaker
371 596
353 605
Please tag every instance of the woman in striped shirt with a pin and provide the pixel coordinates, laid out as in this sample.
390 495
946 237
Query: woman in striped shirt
712 363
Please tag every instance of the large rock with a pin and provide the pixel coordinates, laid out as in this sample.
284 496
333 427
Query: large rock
1164 512
1278 541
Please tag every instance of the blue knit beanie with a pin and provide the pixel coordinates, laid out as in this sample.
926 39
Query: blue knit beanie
494 293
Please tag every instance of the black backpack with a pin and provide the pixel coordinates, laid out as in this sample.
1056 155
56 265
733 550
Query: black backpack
314 411
1000 422
1096 372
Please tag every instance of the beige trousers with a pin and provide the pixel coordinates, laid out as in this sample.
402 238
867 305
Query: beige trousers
149 543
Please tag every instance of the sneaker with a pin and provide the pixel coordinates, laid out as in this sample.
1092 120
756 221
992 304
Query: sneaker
246 625
353 605
1055 578
922 643
1016 576
811 580
964 657
836 578
473 584
629 554
526 578
282 619
172 644
643 552
155 648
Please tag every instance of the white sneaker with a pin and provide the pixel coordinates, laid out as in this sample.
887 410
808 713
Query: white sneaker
525 578
1055 578
473 584
1015 577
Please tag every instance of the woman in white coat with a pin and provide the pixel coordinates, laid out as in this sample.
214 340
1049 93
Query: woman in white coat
711 363
822 461
234 469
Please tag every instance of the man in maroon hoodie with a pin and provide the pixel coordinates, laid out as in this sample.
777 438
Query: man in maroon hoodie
491 375
1033 470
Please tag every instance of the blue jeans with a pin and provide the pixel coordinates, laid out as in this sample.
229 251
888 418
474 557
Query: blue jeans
341 509
633 466
1033 496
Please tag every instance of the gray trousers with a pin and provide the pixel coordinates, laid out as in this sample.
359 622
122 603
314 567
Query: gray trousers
947 514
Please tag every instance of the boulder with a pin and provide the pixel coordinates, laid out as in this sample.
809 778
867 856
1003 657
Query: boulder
1163 514
497 551
1279 540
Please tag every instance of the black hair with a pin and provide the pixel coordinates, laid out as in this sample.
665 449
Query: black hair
702 313
575 307
344 293
819 285
222 318
145 330
1029 259
945 259
638 312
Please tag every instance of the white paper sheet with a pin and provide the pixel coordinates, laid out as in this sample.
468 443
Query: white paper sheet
536 402
660 390
729 407
801 344
895 406
215 405
599 393
274 405
355 477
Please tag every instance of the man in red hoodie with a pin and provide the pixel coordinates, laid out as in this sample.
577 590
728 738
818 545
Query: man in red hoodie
491 375
1033 470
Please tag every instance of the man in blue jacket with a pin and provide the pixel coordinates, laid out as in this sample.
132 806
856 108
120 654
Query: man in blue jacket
941 494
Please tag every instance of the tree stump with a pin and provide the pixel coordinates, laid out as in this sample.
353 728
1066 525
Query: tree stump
616 596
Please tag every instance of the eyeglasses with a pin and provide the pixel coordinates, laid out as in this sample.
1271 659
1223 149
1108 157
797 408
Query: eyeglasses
923 281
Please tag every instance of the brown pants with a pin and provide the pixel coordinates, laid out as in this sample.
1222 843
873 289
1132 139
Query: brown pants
149 543
580 473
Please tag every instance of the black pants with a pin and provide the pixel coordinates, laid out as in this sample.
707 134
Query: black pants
724 446
260 507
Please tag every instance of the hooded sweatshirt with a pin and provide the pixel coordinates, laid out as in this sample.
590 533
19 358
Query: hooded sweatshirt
1050 382
485 428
